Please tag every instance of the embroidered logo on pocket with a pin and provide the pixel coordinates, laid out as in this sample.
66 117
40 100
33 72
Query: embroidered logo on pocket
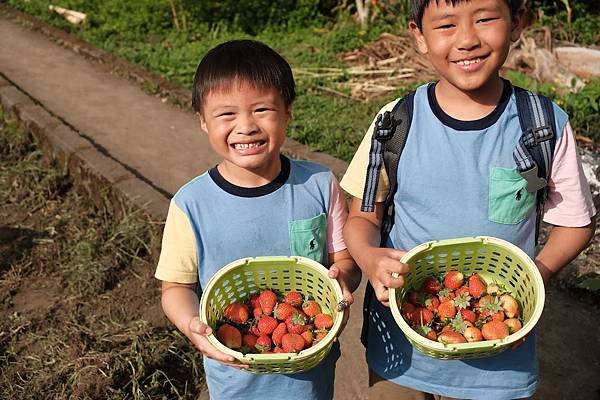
307 237
509 200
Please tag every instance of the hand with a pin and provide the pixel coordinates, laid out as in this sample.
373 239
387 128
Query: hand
198 336
348 299
383 262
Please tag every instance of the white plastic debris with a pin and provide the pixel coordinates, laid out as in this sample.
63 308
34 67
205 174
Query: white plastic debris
74 17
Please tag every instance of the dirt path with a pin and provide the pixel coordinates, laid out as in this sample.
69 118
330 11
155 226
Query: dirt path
132 127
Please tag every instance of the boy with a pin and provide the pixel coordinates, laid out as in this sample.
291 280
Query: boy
452 179
255 202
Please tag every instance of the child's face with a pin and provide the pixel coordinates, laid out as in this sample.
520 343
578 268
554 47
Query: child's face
246 126
467 43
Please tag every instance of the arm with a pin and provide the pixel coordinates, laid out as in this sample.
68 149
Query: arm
562 246
180 304
362 236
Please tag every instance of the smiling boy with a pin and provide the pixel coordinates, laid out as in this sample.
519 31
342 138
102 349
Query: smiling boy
455 178
255 202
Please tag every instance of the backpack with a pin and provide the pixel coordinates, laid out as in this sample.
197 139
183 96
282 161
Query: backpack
533 157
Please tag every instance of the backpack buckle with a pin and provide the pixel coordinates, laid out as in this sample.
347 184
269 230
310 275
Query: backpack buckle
384 127
540 134
534 182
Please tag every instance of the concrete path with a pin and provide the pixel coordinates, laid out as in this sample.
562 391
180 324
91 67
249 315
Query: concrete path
147 149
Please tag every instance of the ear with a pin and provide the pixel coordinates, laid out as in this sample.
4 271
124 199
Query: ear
288 115
202 122
517 23
419 38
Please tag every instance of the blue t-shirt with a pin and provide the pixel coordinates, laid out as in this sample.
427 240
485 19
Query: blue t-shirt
283 218
456 179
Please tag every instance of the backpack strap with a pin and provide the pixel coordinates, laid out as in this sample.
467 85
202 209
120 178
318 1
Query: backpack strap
387 143
533 154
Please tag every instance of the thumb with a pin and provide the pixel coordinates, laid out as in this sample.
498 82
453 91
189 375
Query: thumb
199 327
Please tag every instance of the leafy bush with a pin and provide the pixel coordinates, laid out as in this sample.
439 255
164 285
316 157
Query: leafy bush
583 108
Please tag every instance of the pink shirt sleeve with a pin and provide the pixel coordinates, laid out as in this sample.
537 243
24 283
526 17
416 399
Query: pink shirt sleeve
569 201
336 218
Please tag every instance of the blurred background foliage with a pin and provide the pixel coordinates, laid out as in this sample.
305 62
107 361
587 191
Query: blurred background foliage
170 36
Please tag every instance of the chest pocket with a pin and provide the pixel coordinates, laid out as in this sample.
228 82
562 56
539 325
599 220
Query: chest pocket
510 202
307 237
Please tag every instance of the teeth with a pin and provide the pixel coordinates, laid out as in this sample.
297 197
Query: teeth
242 146
469 62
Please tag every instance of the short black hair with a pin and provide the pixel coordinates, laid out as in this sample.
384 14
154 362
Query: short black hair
246 61
417 8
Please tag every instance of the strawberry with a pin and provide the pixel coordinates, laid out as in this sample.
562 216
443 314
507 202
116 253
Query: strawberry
468 315
453 279
267 300
476 286
494 330
510 305
292 343
431 285
278 333
513 324
278 349
446 309
473 334
432 303
450 337
257 312
293 298
230 336
458 324
464 289
407 311
249 340
253 301
267 324
237 312
323 321
422 316
311 308
319 335
416 298
296 323
254 327
263 343
462 301
427 332
493 288
308 338
446 294
282 311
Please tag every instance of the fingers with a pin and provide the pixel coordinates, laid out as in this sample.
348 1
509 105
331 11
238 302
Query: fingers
333 272
199 328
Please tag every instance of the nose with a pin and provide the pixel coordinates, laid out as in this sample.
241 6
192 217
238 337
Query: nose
467 38
246 124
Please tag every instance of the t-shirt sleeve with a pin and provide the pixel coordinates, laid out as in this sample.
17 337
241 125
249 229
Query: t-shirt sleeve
336 218
569 201
353 181
178 260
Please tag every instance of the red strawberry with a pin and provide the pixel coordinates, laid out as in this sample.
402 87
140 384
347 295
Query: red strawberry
319 335
323 321
267 300
230 336
237 312
282 311
510 305
450 337
494 330
463 290
415 298
468 315
473 334
407 311
278 333
446 294
278 349
257 312
253 301
293 298
477 286
432 303
296 323
292 343
453 279
431 285
311 308
267 324
513 324
422 316
263 343
427 332
254 327
249 340
446 309
308 338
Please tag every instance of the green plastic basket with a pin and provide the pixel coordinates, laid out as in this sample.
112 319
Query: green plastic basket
496 261
241 278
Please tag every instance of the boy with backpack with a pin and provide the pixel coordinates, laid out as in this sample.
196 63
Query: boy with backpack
467 155
255 202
